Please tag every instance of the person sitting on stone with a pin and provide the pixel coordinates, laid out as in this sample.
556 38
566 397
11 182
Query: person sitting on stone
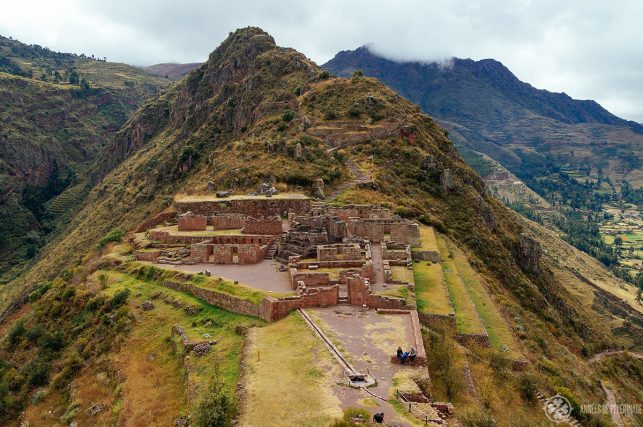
378 417
412 354
399 352
405 356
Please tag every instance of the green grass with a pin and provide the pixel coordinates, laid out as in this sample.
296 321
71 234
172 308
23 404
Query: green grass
241 291
466 316
427 239
395 291
432 296
402 274
221 325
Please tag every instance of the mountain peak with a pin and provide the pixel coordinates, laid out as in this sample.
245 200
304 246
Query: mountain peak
248 42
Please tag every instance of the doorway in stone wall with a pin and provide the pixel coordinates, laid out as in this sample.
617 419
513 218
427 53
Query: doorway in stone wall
235 255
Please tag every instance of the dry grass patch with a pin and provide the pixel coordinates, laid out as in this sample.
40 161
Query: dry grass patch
427 239
289 371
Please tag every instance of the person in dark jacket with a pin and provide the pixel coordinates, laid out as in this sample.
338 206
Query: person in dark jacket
399 353
379 417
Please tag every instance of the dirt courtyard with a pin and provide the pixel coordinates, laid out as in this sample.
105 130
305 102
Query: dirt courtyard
368 340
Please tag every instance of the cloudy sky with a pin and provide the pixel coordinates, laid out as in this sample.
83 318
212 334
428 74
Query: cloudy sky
586 48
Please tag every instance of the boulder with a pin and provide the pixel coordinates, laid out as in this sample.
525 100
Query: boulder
528 254
201 349
147 305
318 189
448 181
299 151
95 409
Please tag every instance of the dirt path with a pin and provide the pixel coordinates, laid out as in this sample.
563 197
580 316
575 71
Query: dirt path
359 177
600 356
611 401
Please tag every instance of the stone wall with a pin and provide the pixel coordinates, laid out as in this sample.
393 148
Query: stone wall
165 237
147 255
396 251
264 225
234 253
270 309
477 339
225 301
157 219
359 293
228 221
248 206
339 252
408 233
421 255
362 211
310 279
189 222
273 309
437 320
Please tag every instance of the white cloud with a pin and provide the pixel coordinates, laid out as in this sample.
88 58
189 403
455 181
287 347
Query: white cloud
589 49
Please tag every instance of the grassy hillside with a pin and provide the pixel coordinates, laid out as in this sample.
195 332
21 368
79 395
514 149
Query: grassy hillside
57 111
236 121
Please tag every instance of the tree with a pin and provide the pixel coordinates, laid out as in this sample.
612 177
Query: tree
618 241
216 409
73 77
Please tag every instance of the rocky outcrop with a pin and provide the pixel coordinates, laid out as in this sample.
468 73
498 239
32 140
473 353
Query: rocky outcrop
528 254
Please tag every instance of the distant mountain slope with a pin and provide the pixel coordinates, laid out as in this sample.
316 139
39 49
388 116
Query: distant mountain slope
488 109
170 70
50 132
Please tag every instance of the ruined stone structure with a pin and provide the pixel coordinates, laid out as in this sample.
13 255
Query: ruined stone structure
190 222
377 230
339 252
264 225
325 249
251 206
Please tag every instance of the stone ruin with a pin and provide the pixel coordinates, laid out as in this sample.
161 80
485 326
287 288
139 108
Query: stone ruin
321 247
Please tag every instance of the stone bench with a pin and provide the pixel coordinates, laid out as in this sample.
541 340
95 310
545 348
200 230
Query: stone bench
418 361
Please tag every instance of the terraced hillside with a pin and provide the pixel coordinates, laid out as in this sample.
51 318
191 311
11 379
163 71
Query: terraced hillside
51 129
242 119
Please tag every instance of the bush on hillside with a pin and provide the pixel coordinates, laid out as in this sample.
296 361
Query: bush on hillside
115 235
288 115
216 409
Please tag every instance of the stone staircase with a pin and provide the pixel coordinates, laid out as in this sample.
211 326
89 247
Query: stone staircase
272 249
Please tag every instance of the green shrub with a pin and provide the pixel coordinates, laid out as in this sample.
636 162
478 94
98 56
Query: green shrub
16 331
115 235
52 343
288 115
330 115
39 291
216 409
324 75
37 372
354 112
120 298
526 385
499 362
